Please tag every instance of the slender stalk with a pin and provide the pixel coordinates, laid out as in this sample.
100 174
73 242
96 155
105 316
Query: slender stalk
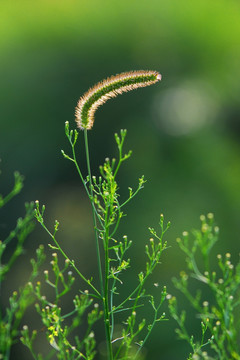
79 171
93 211
83 181
133 309
71 262
104 289
152 325
119 163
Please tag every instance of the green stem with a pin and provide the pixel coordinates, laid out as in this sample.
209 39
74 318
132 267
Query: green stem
128 327
83 181
106 291
130 198
138 289
70 261
93 211
119 164
156 310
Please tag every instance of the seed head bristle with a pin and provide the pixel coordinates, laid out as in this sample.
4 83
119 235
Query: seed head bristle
110 88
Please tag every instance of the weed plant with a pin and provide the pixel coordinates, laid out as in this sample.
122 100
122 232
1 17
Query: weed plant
111 252
219 313
11 317
70 334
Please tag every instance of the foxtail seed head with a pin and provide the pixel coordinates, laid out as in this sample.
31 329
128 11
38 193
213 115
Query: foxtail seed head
109 88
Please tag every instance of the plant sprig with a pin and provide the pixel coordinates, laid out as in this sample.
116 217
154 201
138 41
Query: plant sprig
218 315
107 214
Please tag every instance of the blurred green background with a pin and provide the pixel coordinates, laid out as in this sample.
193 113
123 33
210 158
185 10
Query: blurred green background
184 132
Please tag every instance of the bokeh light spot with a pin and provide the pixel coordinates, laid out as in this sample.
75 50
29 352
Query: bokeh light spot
183 110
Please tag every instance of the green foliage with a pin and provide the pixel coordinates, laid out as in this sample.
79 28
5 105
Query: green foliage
70 334
108 211
18 184
19 301
220 327
23 228
59 327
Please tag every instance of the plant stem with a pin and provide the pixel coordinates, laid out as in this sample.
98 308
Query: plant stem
70 261
104 289
93 211
81 176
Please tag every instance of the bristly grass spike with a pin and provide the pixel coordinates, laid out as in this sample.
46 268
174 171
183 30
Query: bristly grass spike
109 88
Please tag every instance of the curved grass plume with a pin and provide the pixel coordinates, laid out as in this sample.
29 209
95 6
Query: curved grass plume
109 88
